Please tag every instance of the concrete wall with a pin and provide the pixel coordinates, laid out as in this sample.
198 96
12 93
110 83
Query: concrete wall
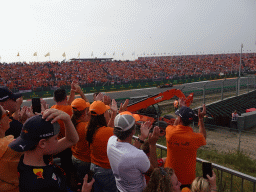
246 120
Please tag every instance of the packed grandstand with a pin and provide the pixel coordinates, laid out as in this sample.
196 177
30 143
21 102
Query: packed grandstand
27 76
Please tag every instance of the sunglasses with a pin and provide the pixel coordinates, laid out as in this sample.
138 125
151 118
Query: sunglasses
7 113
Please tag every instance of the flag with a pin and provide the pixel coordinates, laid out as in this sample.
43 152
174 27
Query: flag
92 54
64 54
123 54
35 54
104 53
113 53
78 54
48 54
18 54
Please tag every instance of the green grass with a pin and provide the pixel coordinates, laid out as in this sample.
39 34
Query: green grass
234 160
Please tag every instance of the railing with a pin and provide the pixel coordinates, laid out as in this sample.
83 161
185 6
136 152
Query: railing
222 170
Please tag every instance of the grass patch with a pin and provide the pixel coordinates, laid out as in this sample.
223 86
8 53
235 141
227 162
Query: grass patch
234 160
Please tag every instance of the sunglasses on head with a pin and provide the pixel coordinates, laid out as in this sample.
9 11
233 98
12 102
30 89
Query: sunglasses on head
7 113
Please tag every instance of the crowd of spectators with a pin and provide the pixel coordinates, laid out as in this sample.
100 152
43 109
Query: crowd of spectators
93 140
49 74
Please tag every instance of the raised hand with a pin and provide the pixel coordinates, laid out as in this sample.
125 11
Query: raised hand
19 102
212 180
87 187
99 97
182 102
144 129
113 106
29 112
202 114
123 107
107 100
55 115
44 105
74 82
153 137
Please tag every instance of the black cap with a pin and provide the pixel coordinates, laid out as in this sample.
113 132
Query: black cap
186 113
5 94
33 130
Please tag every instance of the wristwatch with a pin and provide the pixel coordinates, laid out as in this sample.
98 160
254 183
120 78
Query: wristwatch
140 141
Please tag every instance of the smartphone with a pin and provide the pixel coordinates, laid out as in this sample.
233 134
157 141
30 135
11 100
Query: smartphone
207 169
36 105
90 176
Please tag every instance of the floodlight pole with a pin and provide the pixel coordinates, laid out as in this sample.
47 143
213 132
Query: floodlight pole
240 68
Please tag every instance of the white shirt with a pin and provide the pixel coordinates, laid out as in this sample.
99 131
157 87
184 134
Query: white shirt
128 165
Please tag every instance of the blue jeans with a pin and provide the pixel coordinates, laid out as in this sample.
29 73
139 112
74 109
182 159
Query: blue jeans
82 168
104 179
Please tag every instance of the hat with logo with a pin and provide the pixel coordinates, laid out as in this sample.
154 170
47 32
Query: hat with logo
33 130
98 107
79 104
125 120
5 94
186 113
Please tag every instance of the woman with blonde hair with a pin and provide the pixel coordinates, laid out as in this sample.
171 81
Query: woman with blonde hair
201 184
163 180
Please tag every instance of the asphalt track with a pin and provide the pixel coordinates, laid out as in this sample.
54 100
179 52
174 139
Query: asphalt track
153 90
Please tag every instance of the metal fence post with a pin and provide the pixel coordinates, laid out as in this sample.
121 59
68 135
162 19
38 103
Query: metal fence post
237 86
248 84
254 82
222 88
204 93
239 142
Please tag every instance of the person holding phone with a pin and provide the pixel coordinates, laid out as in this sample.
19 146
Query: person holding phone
200 184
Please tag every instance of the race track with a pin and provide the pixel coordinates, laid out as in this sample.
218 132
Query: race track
153 90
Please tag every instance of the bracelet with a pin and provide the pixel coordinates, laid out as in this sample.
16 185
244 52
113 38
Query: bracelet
140 141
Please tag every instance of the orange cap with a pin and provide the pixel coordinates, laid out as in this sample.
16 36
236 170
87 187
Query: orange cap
98 107
135 116
79 104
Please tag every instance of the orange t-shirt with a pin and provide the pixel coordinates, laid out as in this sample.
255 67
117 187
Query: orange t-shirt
81 149
182 144
67 109
9 160
99 147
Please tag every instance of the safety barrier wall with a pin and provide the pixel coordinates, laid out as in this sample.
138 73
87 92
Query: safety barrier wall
246 120
92 88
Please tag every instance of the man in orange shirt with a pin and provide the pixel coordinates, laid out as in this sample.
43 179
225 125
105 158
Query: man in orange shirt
182 144
176 105
64 104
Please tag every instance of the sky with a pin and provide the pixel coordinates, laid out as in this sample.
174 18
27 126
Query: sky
124 26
